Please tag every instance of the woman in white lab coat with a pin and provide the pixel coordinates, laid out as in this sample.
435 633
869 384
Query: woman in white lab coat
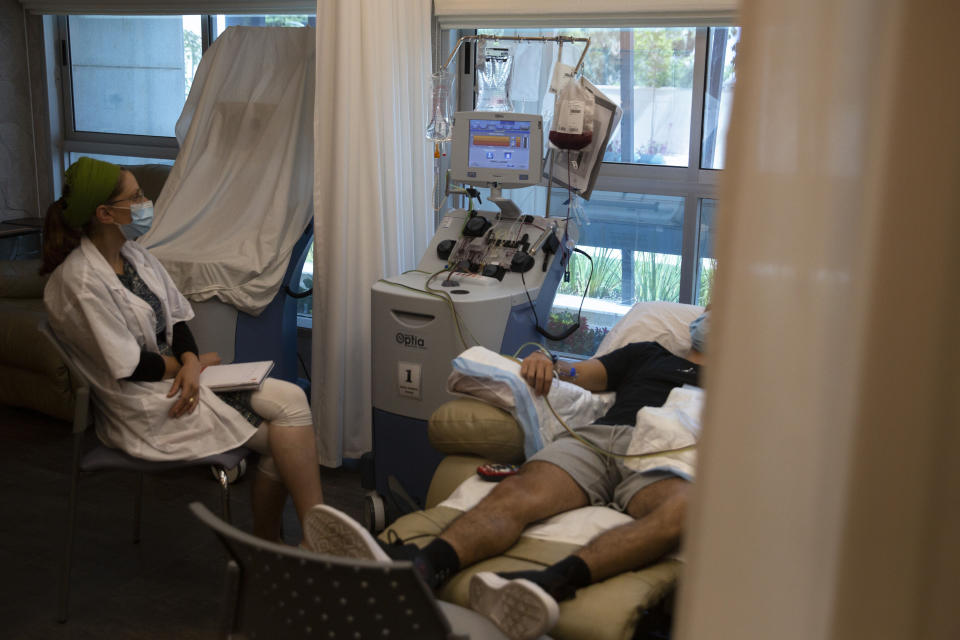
123 321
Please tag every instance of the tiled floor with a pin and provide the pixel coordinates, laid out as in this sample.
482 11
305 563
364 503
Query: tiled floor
167 586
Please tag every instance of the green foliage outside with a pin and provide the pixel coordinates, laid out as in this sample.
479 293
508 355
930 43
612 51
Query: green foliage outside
584 340
655 276
708 270
287 21
662 57
191 56
606 281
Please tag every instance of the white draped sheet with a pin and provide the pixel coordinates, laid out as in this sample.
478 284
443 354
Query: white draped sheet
241 191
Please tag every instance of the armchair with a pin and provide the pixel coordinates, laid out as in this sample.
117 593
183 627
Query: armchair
472 433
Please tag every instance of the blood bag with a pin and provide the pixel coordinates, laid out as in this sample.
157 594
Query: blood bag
572 126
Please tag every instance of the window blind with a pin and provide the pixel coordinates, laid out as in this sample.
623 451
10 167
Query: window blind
464 14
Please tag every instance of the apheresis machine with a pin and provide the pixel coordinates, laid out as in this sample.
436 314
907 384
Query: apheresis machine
488 278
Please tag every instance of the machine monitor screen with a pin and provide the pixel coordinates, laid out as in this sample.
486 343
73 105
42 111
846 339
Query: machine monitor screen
495 147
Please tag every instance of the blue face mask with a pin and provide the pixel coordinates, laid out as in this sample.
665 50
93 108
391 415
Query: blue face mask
699 329
141 217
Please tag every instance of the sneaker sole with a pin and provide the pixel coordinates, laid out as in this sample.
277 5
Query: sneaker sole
520 608
327 530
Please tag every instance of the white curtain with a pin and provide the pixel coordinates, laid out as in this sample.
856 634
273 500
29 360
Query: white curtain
371 193
827 498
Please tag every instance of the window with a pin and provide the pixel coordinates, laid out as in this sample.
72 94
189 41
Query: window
707 264
129 75
648 226
221 22
123 161
718 94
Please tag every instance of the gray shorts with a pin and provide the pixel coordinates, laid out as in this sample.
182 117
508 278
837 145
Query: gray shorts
606 480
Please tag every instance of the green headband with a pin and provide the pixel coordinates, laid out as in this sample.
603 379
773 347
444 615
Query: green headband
90 183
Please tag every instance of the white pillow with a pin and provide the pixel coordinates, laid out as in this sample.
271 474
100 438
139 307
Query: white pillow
665 322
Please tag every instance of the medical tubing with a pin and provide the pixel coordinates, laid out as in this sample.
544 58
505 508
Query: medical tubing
583 439
453 309
606 452
549 180
297 294
456 317
563 335
436 294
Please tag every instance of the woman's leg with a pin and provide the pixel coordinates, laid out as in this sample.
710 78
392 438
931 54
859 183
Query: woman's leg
291 440
295 454
268 494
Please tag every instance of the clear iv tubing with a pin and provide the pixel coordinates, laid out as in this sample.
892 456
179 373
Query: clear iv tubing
587 441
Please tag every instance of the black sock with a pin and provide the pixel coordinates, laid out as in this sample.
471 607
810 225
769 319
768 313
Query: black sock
437 562
560 580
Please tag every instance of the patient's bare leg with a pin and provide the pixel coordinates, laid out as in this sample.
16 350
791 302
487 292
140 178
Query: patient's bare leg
659 510
538 491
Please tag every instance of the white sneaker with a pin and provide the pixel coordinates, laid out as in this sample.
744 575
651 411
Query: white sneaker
520 608
331 531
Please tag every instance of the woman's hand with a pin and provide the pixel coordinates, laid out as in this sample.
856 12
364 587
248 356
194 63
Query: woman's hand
537 370
209 359
187 383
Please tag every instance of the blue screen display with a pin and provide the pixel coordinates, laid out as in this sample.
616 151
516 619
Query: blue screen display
499 144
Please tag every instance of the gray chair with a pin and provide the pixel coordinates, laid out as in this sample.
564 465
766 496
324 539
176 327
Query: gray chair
102 458
278 591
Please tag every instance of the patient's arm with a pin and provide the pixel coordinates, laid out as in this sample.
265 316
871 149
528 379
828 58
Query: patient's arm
537 369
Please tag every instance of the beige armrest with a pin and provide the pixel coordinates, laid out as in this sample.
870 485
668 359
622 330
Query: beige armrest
472 427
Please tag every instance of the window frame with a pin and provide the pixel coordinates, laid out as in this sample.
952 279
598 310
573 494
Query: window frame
692 182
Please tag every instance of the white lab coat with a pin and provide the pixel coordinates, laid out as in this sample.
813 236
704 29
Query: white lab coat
104 327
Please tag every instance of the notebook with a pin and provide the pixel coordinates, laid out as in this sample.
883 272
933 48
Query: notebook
239 376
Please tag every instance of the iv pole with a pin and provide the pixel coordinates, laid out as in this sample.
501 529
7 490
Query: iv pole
558 39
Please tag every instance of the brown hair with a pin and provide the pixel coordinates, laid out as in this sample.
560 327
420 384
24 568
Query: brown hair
59 238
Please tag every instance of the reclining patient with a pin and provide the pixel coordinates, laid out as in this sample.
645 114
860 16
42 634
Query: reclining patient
564 475
121 318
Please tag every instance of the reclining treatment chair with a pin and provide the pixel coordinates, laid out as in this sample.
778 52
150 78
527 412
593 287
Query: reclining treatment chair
472 433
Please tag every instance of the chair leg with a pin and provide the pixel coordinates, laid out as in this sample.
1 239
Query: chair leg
137 509
63 588
224 493
230 600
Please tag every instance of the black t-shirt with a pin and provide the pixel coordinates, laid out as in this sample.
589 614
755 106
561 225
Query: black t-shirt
642 374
